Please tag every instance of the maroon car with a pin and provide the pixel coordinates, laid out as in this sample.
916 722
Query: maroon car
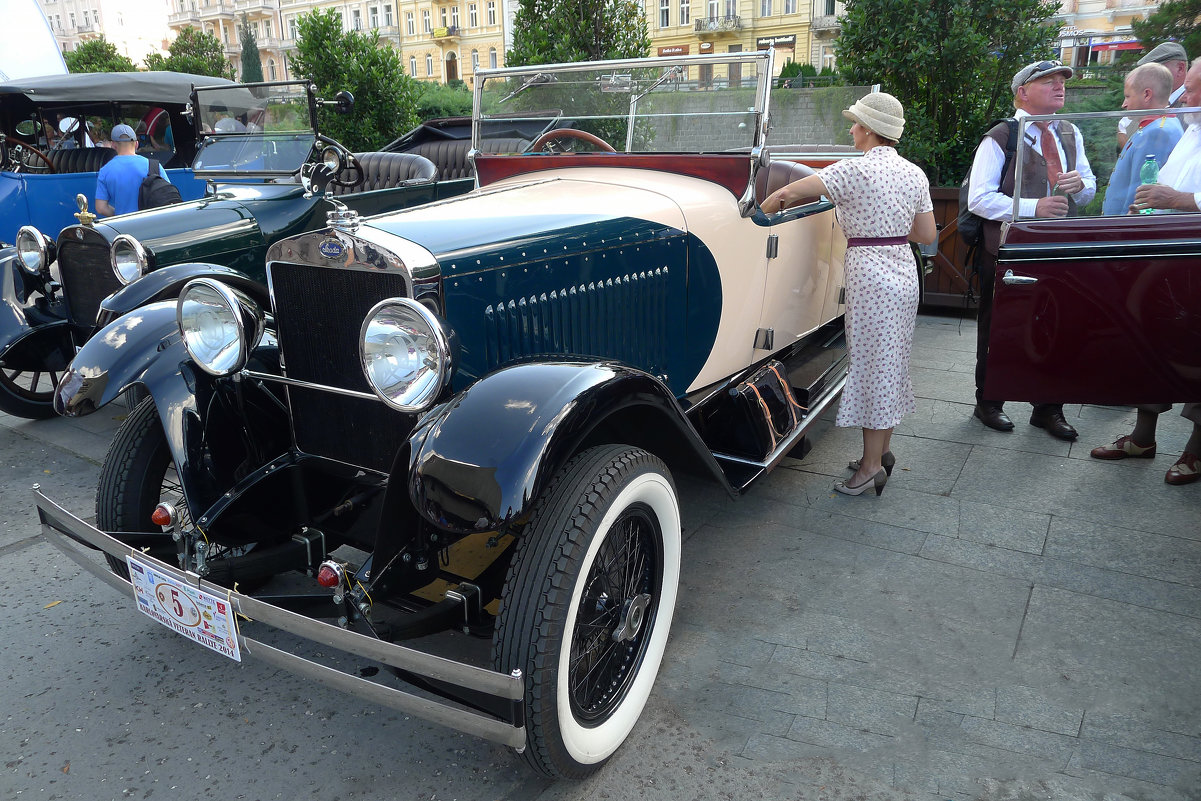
1098 308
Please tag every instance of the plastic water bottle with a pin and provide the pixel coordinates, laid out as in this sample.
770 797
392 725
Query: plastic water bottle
1149 174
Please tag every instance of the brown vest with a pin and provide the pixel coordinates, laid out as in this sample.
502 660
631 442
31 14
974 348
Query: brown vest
1034 174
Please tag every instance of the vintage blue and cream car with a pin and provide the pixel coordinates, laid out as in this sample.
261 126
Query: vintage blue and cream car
257 145
467 416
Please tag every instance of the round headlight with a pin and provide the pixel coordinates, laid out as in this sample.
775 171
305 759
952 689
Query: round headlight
220 325
129 258
405 354
332 160
32 250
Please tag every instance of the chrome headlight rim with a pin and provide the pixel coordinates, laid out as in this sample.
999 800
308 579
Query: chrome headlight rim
141 259
333 159
40 245
441 341
245 314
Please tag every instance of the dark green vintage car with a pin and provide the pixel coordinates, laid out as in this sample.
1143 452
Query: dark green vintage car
257 147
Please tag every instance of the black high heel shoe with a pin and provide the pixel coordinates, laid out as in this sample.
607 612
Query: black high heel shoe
878 481
887 461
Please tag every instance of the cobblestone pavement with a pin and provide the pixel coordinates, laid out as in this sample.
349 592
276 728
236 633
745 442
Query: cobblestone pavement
1010 620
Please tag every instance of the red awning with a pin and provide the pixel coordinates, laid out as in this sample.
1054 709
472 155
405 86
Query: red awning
1117 46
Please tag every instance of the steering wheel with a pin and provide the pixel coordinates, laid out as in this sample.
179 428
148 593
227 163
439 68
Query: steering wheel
571 133
21 160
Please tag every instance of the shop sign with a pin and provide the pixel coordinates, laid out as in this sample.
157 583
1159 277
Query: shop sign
764 42
675 50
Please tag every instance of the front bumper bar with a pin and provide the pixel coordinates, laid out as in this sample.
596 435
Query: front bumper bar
67 533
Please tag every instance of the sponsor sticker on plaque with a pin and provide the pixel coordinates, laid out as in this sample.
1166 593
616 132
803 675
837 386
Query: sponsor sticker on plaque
196 614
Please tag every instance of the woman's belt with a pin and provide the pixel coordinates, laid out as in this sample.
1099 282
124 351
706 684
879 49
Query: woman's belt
873 241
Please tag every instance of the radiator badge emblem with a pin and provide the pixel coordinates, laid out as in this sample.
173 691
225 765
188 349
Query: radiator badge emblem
331 248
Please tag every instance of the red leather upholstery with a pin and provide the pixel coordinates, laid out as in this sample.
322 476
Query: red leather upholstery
777 174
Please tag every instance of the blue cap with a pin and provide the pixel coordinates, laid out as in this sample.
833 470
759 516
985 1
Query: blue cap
123 133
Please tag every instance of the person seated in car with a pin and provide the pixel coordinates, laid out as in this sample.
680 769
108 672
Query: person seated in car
1179 189
1147 88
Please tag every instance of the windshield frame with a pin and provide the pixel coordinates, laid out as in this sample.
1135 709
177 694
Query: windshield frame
250 139
763 60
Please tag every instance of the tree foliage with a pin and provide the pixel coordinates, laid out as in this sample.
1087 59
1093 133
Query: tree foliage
443 100
252 65
562 31
196 52
335 60
949 62
97 55
1174 20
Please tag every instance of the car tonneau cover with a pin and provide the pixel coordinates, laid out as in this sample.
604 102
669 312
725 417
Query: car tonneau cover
161 87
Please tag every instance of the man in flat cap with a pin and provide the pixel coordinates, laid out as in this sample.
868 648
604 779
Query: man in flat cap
1172 56
1056 181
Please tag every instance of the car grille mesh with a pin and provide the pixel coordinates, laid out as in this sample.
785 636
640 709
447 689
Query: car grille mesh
87 279
622 318
318 314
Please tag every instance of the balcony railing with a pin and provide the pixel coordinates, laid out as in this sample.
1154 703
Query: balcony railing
253 6
731 22
216 8
449 32
826 22
183 18
86 29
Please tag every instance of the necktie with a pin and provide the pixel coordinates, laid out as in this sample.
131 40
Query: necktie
1050 154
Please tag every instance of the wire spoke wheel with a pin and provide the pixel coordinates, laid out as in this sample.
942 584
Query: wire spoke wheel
587 605
28 393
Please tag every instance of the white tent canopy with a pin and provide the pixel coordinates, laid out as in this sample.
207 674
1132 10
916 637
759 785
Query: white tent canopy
29 45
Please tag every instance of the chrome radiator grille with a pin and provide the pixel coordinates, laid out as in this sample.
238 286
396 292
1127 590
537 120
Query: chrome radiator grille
318 314
623 318
87 278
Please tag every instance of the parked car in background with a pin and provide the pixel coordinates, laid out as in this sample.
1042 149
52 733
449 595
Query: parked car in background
466 416
53 131
257 147
1094 308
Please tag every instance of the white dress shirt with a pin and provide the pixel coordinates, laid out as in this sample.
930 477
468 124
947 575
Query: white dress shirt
1182 171
984 187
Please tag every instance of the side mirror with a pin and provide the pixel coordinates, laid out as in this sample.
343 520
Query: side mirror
343 102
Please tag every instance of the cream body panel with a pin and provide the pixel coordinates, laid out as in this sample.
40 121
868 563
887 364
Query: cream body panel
796 300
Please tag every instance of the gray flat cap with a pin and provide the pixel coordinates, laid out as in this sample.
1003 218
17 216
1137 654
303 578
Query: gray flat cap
1168 51
1039 69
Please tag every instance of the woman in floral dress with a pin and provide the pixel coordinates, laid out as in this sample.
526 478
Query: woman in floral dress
883 202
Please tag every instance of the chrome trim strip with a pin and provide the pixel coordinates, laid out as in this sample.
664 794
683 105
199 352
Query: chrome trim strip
295 382
64 530
788 442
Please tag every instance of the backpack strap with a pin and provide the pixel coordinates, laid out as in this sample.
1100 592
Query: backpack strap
153 167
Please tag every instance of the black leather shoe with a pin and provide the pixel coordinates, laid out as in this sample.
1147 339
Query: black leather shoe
1054 423
993 417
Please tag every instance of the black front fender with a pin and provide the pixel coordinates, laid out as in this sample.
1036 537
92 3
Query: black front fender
479 461
167 283
20 313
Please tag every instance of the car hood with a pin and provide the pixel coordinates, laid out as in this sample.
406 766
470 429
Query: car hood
507 215
237 216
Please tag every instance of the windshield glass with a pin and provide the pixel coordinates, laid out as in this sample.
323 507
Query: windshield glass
254 108
1115 152
690 104
273 154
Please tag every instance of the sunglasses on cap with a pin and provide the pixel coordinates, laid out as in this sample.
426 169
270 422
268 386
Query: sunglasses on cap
1047 65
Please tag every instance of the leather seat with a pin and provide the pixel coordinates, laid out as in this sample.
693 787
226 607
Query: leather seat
81 159
388 170
450 155
778 174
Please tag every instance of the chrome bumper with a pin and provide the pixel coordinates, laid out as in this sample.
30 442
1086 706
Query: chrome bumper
68 533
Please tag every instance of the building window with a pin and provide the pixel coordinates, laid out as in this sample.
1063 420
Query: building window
492 57
473 16
829 12
765 8
413 66
789 6
714 9
85 18
409 29
373 16
292 27
267 29
425 20
357 17
685 13
442 16
731 8
475 61
388 14
491 12
454 16
271 69
664 13
73 25
429 64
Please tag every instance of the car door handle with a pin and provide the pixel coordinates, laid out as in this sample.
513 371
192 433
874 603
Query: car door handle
1011 279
